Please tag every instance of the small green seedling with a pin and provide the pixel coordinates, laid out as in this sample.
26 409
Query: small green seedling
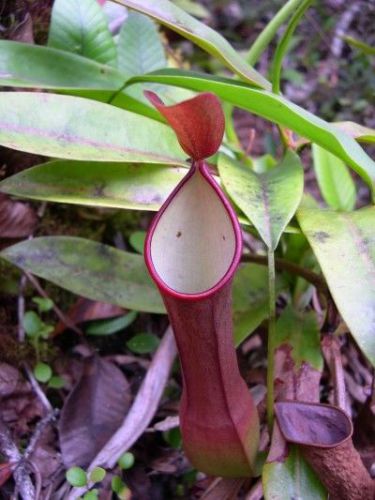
76 476
42 372
126 461
120 488
144 343
91 495
44 304
97 475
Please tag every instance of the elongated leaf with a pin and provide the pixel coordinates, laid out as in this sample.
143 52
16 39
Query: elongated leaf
140 50
80 26
116 185
293 478
298 366
193 8
269 200
33 66
139 47
208 39
26 65
96 271
81 129
359 132
363 47
301 332
110 326
344 245
334 179
276 109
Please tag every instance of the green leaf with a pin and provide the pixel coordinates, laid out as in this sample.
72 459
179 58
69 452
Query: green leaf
335 182
269 200
76 476
42 372
193 8
115 185
117 484
173 438
32 323
80 26
44 304
144 343
81 129
301 332
45 331
359 132
284 42
137 240
361 46
56 382
344 245
176 19
139 46
250 299
293 478
34 66
110 326
97 475
96 271
91 495
276 109
126 461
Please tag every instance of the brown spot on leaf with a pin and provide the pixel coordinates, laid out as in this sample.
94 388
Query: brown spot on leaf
321 236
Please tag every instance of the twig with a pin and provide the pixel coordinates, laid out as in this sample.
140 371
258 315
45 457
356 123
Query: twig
38 479
56 309
271 337
223 489
332 354
142 411
342 26
21 308
39 429
256 492
166 424
11 452
285 265
37 389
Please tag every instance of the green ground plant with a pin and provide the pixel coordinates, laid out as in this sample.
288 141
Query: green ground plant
108 147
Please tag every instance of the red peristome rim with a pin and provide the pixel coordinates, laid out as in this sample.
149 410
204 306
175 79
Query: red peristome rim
165 289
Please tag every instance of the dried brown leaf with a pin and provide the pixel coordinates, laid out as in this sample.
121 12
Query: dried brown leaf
17 220
93 411
223 489
88 310
9 377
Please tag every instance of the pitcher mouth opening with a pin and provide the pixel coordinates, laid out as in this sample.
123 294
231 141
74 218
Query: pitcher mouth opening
194 244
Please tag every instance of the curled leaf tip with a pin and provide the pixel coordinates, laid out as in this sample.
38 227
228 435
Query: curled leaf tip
198 123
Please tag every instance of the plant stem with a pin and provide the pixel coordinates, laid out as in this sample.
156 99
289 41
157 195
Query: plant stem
265 37
292 268
282 46
271 337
